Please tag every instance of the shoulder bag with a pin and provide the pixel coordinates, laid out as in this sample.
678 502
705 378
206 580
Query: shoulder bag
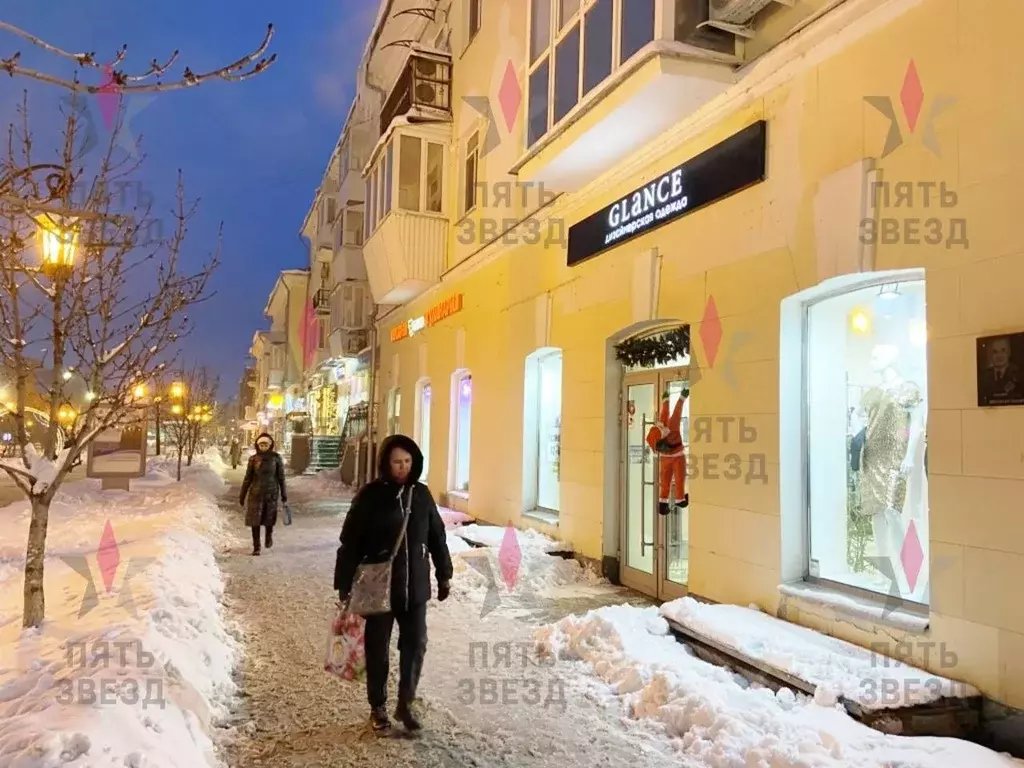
371 587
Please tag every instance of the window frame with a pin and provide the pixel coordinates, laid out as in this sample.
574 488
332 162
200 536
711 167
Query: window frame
457 430
556 34
423 386
795 474
383 187
532 459
469 197
474 13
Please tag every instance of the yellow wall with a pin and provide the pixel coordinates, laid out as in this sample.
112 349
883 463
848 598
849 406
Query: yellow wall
750 252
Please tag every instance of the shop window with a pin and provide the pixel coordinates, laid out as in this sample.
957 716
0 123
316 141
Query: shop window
471 167
580 45
422 427
542 425
864 370
394 410
462 405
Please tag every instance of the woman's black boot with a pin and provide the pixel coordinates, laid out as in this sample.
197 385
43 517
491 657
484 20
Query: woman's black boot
405 715
379 720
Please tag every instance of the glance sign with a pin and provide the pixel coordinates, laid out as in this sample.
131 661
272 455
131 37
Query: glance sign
726 168
434 315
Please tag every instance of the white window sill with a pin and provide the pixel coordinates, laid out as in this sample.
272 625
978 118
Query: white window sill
545 516
876 610
464 495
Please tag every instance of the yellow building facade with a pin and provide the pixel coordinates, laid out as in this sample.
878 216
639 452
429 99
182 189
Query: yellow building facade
890 168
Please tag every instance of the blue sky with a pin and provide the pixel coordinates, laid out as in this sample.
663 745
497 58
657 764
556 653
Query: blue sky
252 152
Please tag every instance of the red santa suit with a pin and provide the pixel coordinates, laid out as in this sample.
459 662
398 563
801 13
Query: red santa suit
666 440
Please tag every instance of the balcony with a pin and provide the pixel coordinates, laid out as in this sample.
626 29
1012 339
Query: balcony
275 378
322 301
348 342
423 90
681 57
405 256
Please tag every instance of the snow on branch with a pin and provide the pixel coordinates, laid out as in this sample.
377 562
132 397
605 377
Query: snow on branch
118 81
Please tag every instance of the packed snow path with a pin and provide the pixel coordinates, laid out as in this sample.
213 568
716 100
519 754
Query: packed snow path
291 713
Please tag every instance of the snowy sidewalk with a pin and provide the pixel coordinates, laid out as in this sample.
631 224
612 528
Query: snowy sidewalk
132 665
509 712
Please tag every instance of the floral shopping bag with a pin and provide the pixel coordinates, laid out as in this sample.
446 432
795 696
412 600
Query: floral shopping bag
345 656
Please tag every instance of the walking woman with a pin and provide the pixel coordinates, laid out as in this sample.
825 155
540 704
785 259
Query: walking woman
395 509
263 485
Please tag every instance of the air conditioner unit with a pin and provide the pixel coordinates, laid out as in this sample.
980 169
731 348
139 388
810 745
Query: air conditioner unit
735 15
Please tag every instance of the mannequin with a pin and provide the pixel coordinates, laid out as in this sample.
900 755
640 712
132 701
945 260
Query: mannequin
893 435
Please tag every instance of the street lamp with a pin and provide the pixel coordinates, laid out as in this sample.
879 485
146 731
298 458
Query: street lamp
177 390
139 391
58 241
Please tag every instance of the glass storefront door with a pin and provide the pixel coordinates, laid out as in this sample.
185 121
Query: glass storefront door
655 546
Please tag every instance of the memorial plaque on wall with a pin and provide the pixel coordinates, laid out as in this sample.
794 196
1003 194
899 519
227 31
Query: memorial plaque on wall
1000 364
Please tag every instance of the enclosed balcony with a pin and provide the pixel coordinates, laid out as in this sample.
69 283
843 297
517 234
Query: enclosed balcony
406 221
322 301
423 91
606 78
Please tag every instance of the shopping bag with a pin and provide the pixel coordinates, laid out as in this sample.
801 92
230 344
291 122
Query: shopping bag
287 515
345 656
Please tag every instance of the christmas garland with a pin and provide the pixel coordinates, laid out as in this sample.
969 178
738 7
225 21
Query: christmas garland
647 351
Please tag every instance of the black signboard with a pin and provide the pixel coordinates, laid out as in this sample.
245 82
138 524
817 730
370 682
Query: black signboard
724 169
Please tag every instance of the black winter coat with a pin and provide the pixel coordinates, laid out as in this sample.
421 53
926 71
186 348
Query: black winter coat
374 522
263 485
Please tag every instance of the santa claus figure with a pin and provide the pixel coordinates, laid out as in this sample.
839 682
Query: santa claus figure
666 440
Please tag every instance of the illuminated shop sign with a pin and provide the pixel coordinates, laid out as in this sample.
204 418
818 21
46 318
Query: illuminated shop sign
726 168
434 315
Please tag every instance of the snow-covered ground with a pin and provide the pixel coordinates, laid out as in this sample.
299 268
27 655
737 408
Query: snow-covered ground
160 654
836 668
716 719
327 482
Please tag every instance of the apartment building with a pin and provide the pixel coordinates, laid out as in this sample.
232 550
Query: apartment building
581 214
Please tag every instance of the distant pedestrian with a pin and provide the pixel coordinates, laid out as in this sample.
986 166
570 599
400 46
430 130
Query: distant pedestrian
264 486
235 452
395 514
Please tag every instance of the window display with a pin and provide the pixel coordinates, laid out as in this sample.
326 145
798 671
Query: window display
463 409
423 436
866 377
549 419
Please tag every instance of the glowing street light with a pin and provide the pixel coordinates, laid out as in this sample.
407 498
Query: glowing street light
177 390
176 410
58 241
139 391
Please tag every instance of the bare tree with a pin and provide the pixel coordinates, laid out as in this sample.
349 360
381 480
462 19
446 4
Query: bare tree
103 302
118 81
192 412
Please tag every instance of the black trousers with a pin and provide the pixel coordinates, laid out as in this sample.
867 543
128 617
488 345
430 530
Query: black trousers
412 647
256 535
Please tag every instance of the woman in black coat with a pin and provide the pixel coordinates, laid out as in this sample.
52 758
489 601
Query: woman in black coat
263 485
372 526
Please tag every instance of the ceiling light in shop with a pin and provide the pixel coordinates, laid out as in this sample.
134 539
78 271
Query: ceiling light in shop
860 322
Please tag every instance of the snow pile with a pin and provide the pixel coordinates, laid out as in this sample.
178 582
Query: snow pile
716 719
453 519
836 668
132 585
494 535
327 482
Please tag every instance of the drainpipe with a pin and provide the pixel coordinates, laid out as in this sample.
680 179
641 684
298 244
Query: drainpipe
370 458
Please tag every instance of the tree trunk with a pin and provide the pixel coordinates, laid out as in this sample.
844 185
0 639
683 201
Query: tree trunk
179 465
158 429
35 558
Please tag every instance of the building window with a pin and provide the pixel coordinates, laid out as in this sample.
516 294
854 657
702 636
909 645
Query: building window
323 329
353 228
389 175
475 10
542 426
580 46
470 172
865 385
462 402
435 177
409 162
394 410
422 429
